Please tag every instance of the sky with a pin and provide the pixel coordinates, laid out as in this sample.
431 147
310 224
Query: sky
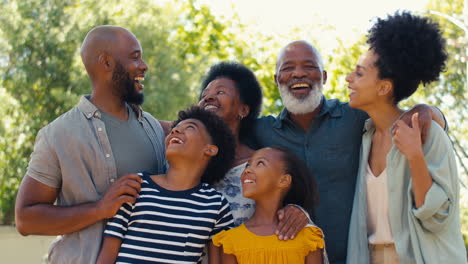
350 18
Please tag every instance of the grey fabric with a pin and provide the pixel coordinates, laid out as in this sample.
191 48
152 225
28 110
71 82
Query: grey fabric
132 148
330 149
73 153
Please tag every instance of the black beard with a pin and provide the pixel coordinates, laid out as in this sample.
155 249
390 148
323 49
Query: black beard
125 86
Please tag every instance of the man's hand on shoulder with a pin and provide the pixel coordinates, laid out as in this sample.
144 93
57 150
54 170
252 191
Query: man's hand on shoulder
291 221
426 114
124 190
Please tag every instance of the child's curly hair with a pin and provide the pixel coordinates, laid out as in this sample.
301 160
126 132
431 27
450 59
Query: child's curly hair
221 136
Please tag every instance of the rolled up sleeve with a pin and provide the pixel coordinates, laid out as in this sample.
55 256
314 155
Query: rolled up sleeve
434 213
44 165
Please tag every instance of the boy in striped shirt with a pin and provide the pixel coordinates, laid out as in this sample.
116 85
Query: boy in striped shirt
177 213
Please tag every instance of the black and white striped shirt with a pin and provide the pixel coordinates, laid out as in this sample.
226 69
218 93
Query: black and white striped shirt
165 226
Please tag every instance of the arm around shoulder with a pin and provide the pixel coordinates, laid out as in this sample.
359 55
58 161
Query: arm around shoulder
36 213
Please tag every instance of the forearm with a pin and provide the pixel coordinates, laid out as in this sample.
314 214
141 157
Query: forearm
422 180
314 257
109 250
47 219
214 254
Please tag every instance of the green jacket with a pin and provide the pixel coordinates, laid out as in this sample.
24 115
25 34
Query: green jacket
429 234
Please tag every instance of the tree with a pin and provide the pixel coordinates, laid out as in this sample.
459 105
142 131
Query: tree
41 74
451 93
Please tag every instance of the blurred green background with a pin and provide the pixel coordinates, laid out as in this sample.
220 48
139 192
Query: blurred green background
41 75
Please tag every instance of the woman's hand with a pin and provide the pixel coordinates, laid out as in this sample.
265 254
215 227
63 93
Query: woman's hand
426 114
407 139
291 221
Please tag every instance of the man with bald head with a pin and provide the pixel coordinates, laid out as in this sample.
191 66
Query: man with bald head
80 171
325 133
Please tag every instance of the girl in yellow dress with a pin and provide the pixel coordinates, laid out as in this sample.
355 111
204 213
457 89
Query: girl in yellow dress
273 177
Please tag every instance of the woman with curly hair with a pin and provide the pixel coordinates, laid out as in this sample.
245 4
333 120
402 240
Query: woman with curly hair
232 92
406 204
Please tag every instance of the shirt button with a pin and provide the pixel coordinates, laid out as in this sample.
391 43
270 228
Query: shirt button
96 114
99 129
107 155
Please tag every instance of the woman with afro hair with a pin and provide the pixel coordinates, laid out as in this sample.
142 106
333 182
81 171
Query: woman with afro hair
406 204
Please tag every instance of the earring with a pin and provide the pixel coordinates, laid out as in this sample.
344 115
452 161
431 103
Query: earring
240 117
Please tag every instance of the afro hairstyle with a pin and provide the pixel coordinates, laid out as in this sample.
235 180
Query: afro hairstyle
410 51
247 85
221 136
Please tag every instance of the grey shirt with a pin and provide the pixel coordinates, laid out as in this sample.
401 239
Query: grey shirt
330 149
132 148
73 153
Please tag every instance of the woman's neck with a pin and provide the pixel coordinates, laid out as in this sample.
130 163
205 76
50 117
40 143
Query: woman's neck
243 152
384 116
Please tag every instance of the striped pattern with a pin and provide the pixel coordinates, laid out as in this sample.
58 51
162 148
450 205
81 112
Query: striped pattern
166 226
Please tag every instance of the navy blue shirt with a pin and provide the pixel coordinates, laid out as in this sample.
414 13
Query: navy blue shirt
165 226
330 149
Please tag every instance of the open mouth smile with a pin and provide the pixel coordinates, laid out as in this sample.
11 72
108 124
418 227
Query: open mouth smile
138 81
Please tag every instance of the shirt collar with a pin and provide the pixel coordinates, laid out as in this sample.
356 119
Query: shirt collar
327 107
368 126
90 110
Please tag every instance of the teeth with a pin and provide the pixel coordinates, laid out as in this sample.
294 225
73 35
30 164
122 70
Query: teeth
208 107
139 78
248 181
300 85
176 140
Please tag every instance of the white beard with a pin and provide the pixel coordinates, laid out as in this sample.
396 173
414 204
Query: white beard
301 105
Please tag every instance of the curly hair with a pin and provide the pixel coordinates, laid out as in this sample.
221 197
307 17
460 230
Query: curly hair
221 136
410 51
303 191
248 87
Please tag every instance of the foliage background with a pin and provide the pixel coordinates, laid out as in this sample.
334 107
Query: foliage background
41 75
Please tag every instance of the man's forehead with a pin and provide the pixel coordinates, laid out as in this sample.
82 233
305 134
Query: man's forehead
129 43
298 52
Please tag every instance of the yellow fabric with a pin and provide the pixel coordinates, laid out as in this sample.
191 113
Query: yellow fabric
251 248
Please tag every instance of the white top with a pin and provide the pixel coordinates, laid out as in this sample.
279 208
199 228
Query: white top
378 225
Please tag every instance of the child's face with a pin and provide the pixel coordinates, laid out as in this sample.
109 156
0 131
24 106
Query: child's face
189 137
262 173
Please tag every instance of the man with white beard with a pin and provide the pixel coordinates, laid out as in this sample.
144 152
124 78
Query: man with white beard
325 133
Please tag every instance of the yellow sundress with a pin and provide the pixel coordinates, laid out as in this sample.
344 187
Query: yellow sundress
251 248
